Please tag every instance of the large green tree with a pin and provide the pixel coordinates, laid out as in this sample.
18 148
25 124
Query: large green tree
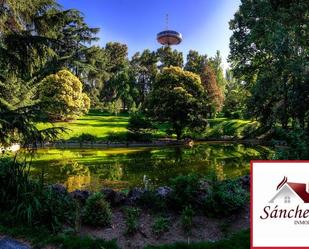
236 95
62 97
196 62
37 38
178 98
214 93
168 57
144 69
269 52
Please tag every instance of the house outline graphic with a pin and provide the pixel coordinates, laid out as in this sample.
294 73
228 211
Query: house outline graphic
291 193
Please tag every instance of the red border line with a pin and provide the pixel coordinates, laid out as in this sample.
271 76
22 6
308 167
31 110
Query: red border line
251 201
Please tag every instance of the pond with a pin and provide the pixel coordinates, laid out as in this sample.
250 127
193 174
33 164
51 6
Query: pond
122 168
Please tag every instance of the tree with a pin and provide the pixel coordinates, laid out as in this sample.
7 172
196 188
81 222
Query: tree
117 63
169 57
144 69
62 97
215 62
196 62
269 52
214 94
96 74
235 97
178 98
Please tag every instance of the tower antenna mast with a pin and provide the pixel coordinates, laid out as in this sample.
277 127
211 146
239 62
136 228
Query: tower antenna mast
169 37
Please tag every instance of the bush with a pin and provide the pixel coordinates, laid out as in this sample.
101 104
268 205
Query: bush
225 198
85 137
160 225
185 190
62 97
187 219
97 211
151 200
132 214
139 123
298 145
30 201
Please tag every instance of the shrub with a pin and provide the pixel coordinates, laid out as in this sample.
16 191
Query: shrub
160 225
30 201
187 219
97 211
151 200
185 190
131 215
298 145
62 97
85 137
139 123
225 198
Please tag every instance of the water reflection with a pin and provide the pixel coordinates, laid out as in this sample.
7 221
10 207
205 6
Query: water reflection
121 168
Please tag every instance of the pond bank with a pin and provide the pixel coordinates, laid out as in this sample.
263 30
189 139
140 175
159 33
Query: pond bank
157 143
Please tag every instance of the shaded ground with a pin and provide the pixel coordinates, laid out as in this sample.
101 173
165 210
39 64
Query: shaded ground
205 229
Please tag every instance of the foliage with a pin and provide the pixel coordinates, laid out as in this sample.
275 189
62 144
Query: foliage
85 137
225 197
151 200
297 145
236 96
31 202
215 63
160 225
185 189
169 57
144 69
138 123
187 219
240 240
97 211
177 98
62 97
195 62
40 238
214 93
132 224
269 47
114 107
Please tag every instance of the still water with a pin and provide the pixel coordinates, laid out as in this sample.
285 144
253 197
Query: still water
122 168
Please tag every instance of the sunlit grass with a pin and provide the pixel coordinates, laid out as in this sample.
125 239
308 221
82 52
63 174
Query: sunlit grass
99 125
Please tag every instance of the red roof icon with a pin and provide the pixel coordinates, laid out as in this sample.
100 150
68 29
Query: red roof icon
299 188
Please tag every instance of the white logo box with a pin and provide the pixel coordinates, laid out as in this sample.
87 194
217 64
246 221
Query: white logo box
279 208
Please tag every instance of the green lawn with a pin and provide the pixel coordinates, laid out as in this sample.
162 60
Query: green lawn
97 124
105 126
236 128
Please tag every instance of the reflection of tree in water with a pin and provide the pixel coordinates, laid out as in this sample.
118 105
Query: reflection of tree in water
63 171
110 170
161 164
158 164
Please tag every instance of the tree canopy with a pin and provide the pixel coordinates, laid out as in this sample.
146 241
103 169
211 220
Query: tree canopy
269 53
178 98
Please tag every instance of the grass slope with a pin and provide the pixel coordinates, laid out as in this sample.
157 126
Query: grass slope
236 128
100 125
105 126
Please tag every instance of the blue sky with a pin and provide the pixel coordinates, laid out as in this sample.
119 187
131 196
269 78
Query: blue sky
203 23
